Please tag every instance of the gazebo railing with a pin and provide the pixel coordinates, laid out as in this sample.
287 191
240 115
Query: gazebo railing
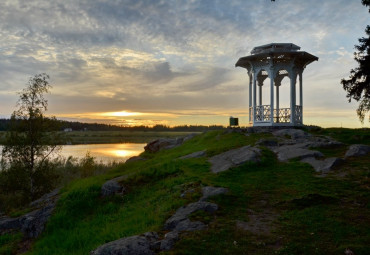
263 114
283 116
298 114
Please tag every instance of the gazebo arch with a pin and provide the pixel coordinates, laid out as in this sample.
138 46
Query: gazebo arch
275 61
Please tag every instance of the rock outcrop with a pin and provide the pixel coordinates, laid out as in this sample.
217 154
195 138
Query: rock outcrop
210 191
302 139
166 143
149 243
32 224
323 166
163 144
135 158
292 133
144 244
180 221
287 152
357 150
235 157
268 142
298 144
45 199
113 187
196 154
169 240
7 223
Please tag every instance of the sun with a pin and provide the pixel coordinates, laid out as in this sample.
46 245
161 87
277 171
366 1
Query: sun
121 114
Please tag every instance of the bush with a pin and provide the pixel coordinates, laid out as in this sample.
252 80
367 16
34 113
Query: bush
55 173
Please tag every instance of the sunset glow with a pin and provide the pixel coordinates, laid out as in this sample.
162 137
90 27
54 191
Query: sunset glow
121 114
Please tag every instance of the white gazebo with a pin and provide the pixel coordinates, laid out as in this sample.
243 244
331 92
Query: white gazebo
275 61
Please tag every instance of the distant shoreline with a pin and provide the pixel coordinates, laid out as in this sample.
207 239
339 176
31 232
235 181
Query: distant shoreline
105 137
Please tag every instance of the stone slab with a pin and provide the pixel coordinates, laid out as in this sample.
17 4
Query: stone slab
235 157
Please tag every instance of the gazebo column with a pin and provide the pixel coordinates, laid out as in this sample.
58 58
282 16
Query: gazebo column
271 74
293 77
301 94
250 96
254 98
260 84
277 85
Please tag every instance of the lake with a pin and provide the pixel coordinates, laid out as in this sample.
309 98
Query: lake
106 153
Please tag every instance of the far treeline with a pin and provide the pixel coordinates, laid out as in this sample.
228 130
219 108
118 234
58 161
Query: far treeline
79 126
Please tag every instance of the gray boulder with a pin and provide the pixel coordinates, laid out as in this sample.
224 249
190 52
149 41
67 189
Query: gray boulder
169 240
301 139
324 142
187 225
267 142
356 150
235 157
196 154
212 191
112 187
179 221
134 159
7 223
45 199
188 137
285 153
34 222
134 245
162 144
322 166
292 133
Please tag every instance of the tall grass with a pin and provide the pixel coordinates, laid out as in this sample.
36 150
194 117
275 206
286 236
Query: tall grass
64 170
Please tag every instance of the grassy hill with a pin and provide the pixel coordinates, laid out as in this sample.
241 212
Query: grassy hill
301 212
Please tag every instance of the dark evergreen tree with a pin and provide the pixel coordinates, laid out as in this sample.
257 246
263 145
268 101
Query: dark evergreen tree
357 85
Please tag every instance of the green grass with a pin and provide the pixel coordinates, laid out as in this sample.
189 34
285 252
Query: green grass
346 135
339 151
83 220
9 243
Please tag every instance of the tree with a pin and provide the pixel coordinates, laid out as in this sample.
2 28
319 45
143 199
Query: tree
358 84
30 142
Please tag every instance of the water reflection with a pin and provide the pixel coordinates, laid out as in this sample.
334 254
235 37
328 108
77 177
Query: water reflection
104 152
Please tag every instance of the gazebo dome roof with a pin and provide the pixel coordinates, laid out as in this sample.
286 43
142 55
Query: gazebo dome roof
283 53
275 47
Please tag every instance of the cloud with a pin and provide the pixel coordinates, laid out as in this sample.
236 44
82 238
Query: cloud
178 56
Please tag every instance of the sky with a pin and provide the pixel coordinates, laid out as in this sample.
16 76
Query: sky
137 62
